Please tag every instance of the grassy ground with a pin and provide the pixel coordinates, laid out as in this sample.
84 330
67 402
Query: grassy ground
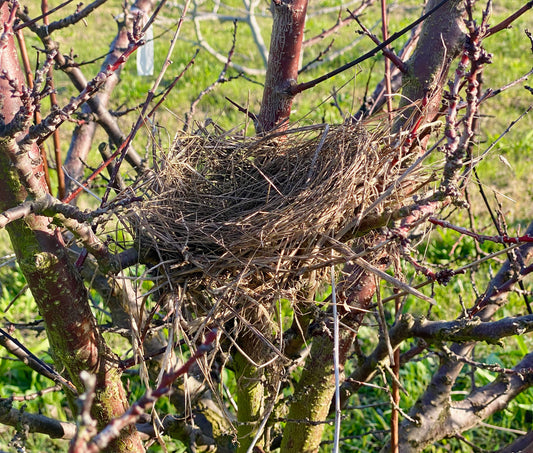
512 186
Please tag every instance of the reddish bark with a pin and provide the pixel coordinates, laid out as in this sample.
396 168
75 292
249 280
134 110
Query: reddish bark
283 63
440 42
56 285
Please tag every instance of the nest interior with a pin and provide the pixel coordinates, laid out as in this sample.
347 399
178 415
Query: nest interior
264 211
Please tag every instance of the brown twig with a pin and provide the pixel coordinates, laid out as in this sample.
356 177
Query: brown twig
389 54
508 21
110 432
42 16
500 239
54 105
172 84
339 24
79 15
318 58
220 79
29 80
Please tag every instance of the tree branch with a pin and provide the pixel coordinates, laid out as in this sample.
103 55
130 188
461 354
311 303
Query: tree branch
34 422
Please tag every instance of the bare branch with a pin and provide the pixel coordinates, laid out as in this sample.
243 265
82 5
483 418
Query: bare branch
110 432
509 20
35 423
307 85
19 350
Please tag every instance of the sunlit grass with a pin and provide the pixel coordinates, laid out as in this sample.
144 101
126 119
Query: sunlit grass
513 187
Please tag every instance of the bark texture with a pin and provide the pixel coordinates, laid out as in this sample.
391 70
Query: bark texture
283 63
439 43
56 285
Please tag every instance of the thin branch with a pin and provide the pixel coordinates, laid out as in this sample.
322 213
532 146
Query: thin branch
394 281
336 364
35 423
220 79
40 132
54 105
16 348
395 59
111 431
79 15
508 21
293 90
42 16
502 239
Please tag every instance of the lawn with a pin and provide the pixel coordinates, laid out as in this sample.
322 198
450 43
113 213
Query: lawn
505 174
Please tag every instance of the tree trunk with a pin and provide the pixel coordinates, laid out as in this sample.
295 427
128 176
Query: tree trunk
439 43
56 285
283 63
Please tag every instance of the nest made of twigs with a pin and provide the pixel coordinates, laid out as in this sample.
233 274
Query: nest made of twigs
263 209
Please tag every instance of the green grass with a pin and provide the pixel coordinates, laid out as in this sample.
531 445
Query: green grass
513 187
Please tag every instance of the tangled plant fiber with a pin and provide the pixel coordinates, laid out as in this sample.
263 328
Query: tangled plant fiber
261 212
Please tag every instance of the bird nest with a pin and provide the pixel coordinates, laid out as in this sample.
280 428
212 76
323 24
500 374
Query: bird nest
263 213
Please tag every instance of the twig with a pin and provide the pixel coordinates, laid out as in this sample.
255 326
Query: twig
502 239
495 368
318 58
220 57
151 93
79 15
86 425
111 431
394 281
42 16
37 114
511 256
54 105
172 84
508 21
124 147
340 23
294 90
220 79
38 394
389 54
19 350
460 270
241 109
458 143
